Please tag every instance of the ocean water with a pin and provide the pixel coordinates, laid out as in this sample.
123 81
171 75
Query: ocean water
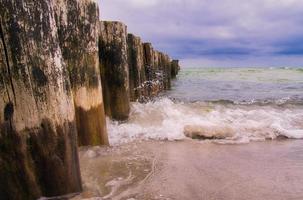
238 104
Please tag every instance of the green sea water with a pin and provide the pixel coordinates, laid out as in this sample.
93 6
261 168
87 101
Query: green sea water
239 84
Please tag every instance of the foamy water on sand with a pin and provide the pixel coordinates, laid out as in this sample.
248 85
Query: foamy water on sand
248 104
257 110
166 120
190 170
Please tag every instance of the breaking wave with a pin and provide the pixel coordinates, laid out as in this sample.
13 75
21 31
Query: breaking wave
232 122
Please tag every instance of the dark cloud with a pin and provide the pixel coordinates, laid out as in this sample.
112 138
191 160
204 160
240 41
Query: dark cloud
226 32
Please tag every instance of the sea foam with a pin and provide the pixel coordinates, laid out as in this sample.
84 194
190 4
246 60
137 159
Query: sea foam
165 119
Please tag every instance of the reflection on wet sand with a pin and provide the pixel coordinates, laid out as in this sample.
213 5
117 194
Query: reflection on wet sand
194 170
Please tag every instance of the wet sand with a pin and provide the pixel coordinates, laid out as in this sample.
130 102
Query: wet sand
194 170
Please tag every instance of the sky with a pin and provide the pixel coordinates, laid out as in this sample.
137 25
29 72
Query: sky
216 33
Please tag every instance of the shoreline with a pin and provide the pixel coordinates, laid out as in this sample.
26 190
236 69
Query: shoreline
190 170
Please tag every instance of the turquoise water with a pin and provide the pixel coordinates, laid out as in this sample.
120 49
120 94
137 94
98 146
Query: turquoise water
239 85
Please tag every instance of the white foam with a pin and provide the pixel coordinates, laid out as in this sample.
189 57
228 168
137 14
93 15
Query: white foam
165 120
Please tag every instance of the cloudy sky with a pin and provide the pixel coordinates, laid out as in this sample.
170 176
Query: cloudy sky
216 32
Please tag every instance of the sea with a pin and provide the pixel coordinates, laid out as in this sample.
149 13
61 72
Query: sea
261 157
251 104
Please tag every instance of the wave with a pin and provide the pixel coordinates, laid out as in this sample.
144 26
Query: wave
164 119
261 102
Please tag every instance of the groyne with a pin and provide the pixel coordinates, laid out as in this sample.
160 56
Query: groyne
61 72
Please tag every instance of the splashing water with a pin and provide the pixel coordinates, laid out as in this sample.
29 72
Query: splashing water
232 106
237 105
164 119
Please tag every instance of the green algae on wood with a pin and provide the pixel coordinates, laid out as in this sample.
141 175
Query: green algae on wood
175 67
38 135
78 36
114 69
137 75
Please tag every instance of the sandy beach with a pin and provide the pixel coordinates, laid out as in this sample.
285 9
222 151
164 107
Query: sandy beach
194 170
151 100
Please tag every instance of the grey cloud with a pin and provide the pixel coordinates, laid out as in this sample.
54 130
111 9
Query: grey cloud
211 29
